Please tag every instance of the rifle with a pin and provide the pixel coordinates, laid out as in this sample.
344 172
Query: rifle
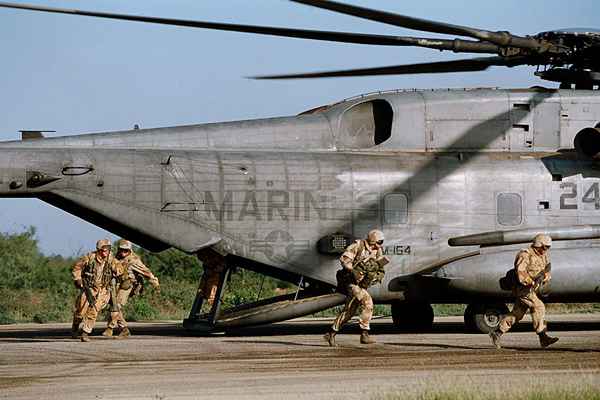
112 288
87 289
539 279
114 303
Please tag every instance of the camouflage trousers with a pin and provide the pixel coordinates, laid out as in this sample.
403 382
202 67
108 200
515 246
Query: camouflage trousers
359 298
527 300
84 316
208 285
116 318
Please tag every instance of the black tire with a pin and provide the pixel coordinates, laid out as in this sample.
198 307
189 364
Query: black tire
483 318
413 317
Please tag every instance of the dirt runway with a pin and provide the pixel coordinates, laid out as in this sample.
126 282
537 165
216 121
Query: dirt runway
288 361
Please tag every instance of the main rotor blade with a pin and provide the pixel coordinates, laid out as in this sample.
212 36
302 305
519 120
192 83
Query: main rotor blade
465 65
499 38
345 37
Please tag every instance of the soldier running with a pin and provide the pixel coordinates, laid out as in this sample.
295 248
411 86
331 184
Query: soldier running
362 266
92 274
532 268
137 272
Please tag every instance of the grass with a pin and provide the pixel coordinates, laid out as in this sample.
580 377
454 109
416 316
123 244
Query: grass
555 393
530 386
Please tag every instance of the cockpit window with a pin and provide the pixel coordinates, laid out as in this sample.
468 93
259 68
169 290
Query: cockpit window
366 124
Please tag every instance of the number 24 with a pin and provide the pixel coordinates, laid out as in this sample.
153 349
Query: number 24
592 195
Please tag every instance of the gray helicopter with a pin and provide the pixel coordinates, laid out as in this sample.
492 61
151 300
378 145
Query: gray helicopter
458 180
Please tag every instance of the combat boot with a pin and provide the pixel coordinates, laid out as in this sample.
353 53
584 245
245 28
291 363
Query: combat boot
495 335
84 337
124 333
75 330
107 332
330 337
365 338
546 340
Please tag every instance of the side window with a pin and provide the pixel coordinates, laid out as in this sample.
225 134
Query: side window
395 206
509 209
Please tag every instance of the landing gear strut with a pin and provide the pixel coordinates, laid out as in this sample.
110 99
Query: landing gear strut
196 320
412 316
272 309
484 318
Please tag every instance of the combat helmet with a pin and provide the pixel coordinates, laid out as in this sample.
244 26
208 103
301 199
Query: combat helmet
375 236
542 240
124 244
100 244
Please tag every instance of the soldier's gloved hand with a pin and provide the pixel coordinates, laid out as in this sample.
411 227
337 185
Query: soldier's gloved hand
78 283
539 280
547 278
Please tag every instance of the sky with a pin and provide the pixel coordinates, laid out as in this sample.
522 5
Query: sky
74 74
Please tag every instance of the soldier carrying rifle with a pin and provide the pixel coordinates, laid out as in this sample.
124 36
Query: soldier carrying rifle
137 271
362 266
92 274
532 271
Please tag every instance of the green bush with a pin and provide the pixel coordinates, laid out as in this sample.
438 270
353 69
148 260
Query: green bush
45 292
39 288
139 309
5 315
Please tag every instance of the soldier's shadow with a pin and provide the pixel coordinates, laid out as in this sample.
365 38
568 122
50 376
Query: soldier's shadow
556 349
280 342
436 345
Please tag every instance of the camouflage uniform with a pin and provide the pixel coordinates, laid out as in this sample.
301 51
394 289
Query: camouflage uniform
97 272
532 268
358 297
137 271
356 289
213 265
528 266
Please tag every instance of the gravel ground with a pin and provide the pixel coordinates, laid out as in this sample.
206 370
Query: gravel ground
290 361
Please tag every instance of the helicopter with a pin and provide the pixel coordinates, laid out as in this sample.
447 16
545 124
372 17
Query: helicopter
456 179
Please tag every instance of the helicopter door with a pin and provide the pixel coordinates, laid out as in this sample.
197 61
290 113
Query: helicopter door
366 125
546 126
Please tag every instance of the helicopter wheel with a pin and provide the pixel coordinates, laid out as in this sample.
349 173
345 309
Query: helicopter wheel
483 318
412 316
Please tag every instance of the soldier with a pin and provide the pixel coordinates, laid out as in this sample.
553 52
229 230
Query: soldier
532 268
137 272
213 265
92 274
362 266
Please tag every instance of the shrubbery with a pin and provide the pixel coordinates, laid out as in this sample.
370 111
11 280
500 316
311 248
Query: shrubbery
39 288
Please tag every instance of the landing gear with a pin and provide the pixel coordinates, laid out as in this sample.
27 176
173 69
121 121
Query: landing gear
206 322
272 309
483 318
416 317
